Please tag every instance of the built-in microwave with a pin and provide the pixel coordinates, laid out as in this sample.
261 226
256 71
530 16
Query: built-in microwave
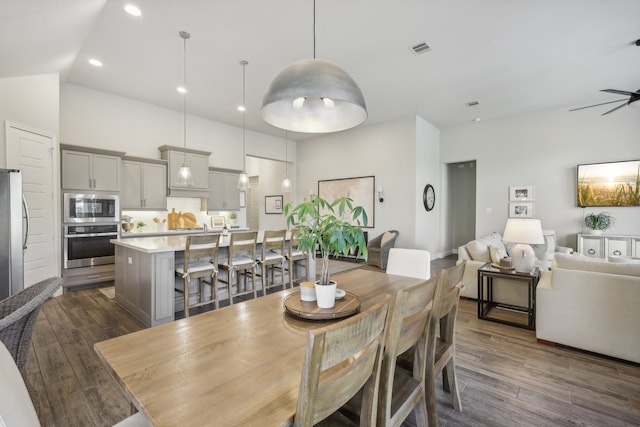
83 208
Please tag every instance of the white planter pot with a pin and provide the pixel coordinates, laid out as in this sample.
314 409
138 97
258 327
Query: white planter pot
326 295
596 232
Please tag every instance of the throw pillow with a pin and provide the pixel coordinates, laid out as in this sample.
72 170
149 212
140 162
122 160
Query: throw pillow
478 251
497 254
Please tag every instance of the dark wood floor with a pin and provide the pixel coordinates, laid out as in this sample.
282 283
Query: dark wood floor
506 378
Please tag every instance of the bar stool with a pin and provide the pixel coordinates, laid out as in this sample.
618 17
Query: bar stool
241 257
272 258
200 260
296 257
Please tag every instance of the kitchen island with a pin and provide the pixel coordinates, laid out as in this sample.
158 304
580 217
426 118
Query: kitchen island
145 275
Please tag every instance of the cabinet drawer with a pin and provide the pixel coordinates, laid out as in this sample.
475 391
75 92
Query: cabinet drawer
618 247
592 246
87 276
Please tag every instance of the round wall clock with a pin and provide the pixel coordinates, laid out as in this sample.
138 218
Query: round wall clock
429 197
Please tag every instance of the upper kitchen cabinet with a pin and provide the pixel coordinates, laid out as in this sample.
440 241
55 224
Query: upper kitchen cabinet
91 169
223 191
144 184
198 162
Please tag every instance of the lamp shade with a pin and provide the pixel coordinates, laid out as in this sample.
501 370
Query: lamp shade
313 96
523 230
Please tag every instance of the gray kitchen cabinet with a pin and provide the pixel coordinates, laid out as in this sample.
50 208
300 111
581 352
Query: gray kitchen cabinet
198 162
223 191
144 183
92 169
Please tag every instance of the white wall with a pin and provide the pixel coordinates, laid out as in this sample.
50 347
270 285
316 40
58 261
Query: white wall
271 173
387 151
542 150
98 119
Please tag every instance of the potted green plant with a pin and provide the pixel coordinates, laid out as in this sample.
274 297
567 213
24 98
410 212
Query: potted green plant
232 218
333 227
598 222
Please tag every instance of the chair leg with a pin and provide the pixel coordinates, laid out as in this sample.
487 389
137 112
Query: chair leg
186 297
450 383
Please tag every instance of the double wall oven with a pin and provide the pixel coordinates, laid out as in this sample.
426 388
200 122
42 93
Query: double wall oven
90 222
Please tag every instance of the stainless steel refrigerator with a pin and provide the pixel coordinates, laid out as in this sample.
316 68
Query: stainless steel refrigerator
13 233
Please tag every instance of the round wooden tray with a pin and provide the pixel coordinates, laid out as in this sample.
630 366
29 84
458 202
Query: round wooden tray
500 267
345 307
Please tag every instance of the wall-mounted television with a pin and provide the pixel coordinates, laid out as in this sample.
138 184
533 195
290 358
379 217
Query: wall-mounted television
609 184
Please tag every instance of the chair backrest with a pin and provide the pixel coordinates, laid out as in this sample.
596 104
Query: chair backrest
294 244
16 408
409 262
18 315
408 327
243 243
202 246
347 355
449 287
273 240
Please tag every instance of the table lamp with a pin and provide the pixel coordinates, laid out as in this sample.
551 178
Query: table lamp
524 232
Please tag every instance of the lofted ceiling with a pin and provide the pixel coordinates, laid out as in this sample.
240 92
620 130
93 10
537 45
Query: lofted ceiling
513 57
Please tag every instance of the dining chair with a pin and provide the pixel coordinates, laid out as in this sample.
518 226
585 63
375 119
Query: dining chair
18 315
200 262
441 349
241 257
16 407
295 258
378 248
342 359
409 262
272 258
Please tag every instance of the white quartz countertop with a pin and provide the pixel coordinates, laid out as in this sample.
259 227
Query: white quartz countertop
165 243
138 234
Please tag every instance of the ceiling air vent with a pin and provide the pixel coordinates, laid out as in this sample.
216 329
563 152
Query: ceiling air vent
472 103
420 48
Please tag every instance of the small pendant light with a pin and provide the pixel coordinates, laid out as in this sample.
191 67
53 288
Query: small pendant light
243 179
184 174
286 182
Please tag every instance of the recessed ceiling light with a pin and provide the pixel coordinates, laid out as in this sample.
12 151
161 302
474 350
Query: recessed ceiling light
476 120
95 62
181 89
242 108
133 10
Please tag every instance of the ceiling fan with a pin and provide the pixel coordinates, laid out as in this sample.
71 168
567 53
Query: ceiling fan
634 97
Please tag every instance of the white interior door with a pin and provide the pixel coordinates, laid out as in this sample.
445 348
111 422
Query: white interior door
32 152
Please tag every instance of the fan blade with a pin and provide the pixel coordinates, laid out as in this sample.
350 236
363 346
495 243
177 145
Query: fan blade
589 106
617 92
617 108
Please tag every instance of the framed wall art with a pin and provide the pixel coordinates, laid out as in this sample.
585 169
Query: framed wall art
360 189
521 193
520 210
273 205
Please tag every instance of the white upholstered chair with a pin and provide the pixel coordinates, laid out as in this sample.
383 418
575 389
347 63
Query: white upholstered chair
16 408
409 262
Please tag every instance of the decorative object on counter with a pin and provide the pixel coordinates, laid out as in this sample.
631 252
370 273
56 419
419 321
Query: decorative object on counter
232 218
523 232
596 223
140 225
184 176
127 225
329 227
243 179
161 224
172 219
217 221
286 182
314 96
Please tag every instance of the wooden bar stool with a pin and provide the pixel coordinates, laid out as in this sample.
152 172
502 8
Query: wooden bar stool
296 257
200 261
241 257
272 258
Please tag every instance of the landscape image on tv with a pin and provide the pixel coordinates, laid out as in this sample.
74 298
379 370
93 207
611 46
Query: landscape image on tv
609 184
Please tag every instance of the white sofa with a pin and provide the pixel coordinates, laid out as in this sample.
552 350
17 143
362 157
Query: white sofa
591 304
491 248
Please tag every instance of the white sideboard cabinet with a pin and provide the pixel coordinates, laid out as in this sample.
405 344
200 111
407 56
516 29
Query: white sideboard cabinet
605 245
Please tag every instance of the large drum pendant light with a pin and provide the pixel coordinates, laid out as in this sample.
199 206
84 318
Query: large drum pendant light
314 96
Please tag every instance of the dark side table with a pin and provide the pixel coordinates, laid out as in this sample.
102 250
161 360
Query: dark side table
486 274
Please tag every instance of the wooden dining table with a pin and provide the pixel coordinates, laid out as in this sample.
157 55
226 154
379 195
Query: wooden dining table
235 366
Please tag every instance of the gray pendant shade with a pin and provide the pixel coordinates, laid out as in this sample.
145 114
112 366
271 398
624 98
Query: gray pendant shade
314 81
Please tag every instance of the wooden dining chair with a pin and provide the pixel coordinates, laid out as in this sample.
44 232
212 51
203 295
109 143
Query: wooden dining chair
200 262
295 257
342 359
272 258
441 349
241 259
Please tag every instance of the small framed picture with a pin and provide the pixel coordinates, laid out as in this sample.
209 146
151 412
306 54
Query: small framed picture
273 205
521 193
520 210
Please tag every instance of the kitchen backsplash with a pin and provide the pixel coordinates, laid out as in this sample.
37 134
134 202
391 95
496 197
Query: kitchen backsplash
181 204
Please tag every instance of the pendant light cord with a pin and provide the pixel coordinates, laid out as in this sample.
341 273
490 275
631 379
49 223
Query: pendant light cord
185 36
244 147
286 154
314 29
